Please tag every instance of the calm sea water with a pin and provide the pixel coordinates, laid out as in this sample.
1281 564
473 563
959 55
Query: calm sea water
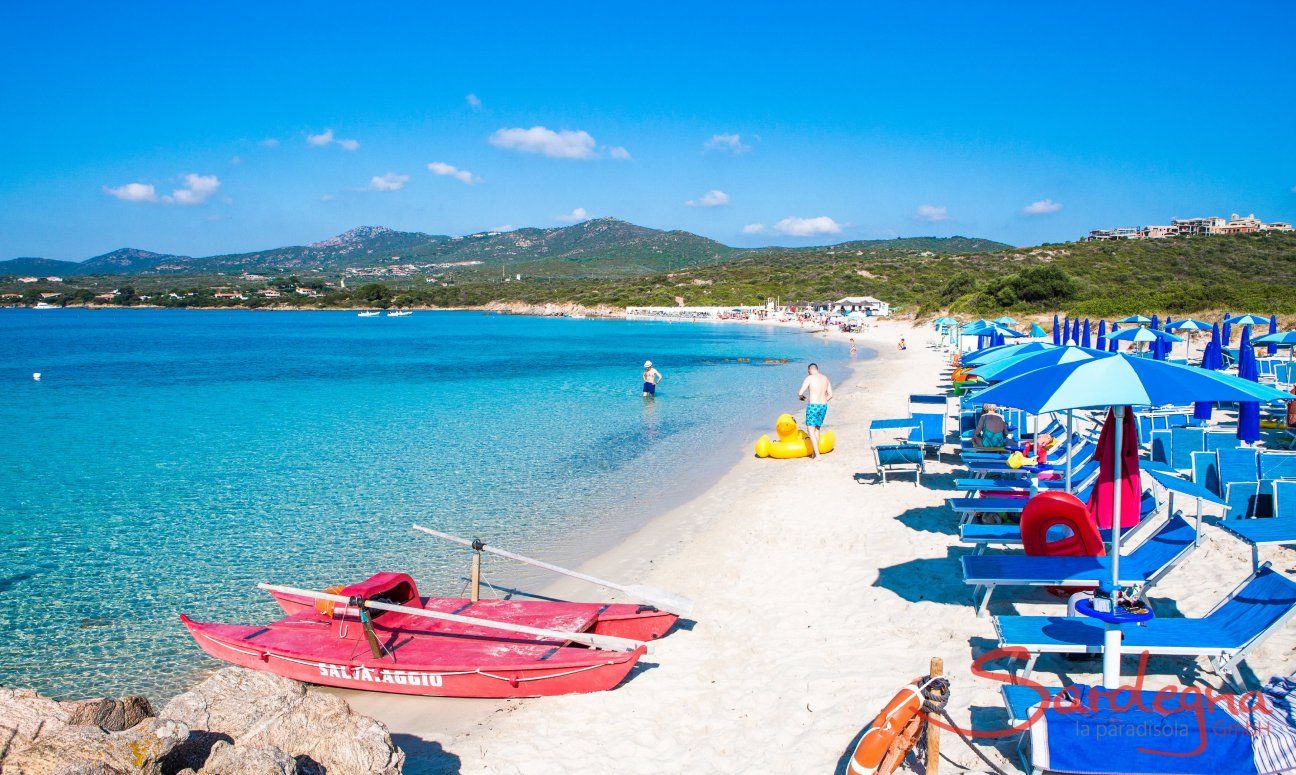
169 460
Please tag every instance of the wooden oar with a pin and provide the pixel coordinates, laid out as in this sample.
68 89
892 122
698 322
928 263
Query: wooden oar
657 598
604 642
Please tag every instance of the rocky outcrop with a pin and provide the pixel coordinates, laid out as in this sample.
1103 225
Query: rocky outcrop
229 759
237 722
560 309
82 750
256 709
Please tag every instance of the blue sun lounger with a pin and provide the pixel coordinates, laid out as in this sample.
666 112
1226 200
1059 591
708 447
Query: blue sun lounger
1269 531
1252 612
1008 536
1142 568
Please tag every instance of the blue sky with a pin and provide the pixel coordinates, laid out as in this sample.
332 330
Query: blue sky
818 123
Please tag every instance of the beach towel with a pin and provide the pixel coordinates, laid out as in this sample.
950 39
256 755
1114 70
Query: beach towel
1272 725
1102 500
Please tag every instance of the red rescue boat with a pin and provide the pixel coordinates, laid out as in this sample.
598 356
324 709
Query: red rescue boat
327 642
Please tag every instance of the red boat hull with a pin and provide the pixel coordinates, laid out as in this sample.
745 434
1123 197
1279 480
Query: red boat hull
327 644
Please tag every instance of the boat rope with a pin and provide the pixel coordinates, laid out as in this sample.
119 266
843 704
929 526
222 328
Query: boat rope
315 664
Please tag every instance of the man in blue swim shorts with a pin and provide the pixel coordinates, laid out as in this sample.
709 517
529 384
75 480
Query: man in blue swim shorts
651 377
816 391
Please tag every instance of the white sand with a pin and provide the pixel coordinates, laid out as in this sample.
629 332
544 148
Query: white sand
819 593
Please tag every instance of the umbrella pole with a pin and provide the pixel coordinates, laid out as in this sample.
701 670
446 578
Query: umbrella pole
1111 631
1069 450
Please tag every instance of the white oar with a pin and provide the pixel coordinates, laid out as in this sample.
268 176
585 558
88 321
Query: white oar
604 642
657 598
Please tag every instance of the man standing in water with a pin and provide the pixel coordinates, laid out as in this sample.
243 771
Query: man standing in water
816 391
651 377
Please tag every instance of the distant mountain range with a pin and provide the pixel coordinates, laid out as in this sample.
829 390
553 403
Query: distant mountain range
603 247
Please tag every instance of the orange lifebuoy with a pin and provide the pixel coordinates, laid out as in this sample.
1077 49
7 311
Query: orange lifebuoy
325 607
893 729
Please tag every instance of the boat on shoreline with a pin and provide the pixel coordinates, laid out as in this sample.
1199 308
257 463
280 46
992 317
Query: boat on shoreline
381 635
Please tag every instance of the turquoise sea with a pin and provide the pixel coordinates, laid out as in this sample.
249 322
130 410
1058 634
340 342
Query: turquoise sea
169 460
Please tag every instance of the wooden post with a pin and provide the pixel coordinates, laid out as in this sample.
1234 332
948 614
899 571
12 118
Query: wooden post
933 730
476 577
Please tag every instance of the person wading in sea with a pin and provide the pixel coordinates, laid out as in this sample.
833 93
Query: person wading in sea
816 391
651 378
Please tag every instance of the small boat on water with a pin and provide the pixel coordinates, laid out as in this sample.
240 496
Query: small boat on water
381 635
369 313
399 313
45 305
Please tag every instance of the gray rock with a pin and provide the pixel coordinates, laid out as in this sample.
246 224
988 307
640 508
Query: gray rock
108 714
86 750
26 716
257 709
229 759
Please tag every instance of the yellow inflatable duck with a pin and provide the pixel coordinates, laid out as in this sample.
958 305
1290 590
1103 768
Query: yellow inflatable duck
792 441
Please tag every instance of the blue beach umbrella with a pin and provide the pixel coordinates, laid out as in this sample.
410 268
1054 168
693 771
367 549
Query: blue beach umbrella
1273 329
1057 333
1137 320
1226 335
1248 429
1282 338
1005 321
1247 320
1154 324
1075 331
1101 344
1037 331
1007 368
1213 358
1143 335
1119 381
1086 338
1188 324
990 355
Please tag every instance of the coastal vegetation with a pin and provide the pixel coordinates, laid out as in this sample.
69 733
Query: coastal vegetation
921 276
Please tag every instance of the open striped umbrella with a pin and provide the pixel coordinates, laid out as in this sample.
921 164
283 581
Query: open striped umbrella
1188 324
1136 319
1247 320
1143 335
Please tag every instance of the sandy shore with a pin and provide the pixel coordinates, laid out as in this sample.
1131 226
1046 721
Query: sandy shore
819 593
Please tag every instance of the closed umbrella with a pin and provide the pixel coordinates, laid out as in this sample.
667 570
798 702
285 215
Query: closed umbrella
1057 332
1248 429
1213 358
1075 331
1086 338
1119 382
1226 336
1102 335
1273 329
1037 331
1154 324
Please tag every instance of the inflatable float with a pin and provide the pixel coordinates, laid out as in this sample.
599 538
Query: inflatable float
792 441
1058 524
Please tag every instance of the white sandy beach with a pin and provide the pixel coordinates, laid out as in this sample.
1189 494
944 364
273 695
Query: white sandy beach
819 593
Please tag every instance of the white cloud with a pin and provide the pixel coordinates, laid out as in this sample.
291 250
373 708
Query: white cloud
1042 207
133 192
463 176
931 213
473 101
712 198
563 144
505 227
807 227
730 143
389 182
327 138
574 216
619 153
753 228
197 189
269 142
235 160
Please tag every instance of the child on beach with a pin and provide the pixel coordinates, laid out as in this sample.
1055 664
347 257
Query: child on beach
651 378
816 391
902 345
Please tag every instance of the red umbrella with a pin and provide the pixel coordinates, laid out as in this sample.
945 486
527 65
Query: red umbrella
1104 492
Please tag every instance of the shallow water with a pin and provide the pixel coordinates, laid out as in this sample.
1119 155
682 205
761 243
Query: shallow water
169 460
